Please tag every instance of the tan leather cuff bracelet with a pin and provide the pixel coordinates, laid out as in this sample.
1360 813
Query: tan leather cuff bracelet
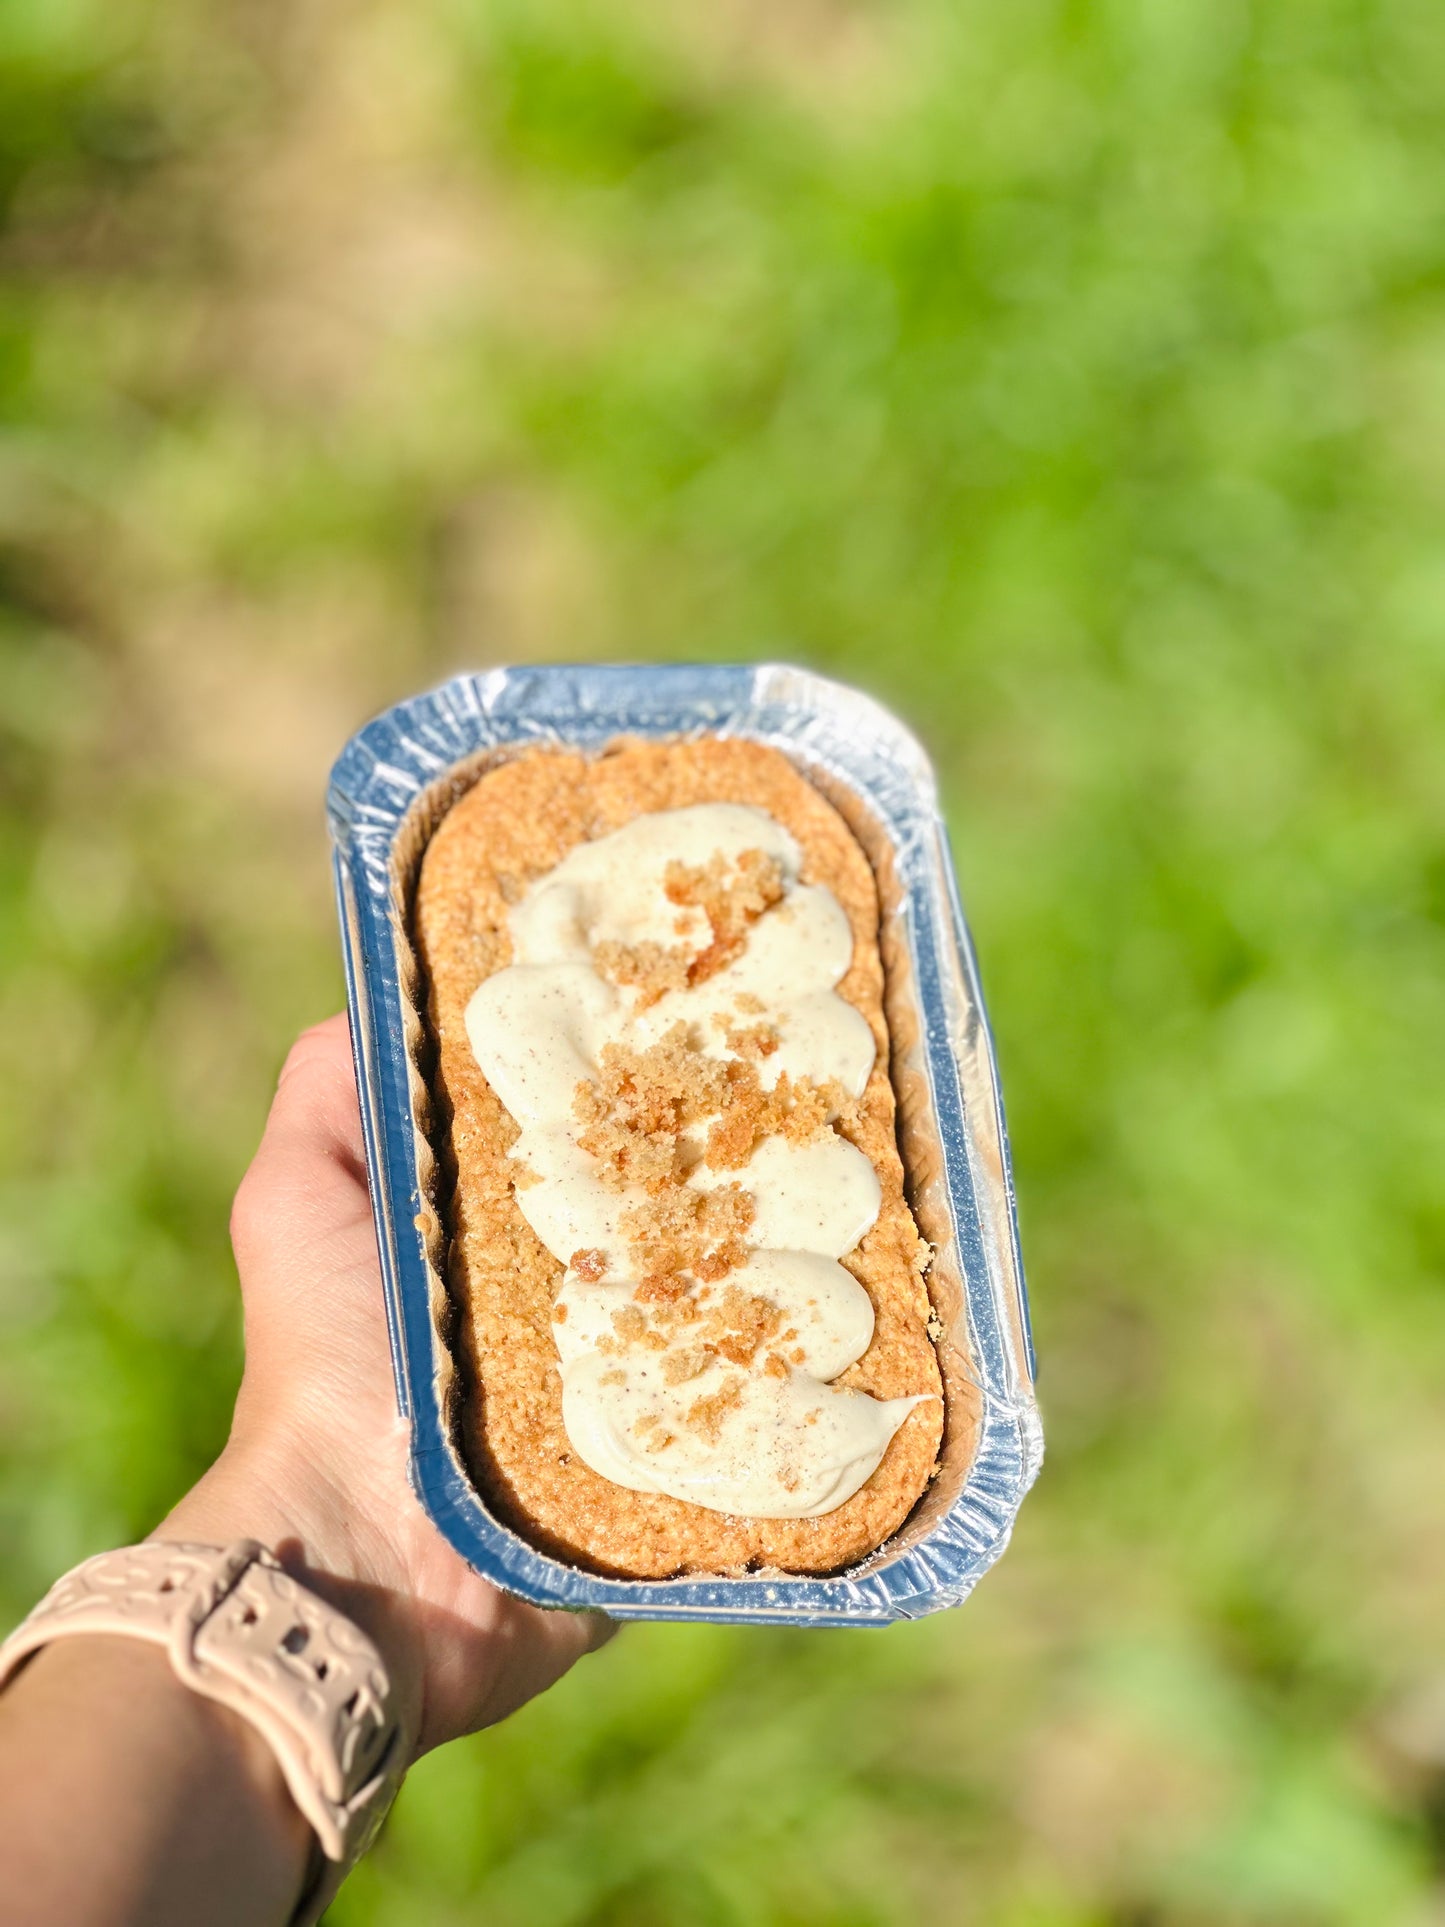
244 1633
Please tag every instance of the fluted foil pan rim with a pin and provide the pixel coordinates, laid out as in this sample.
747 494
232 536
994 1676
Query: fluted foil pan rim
379 787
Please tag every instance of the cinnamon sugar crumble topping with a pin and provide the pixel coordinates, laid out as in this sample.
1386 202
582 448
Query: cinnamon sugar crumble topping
742 1324
730 895
686 1230
706 1415
652 969
638 1113
692 1335
730 902
752 1040
640 1118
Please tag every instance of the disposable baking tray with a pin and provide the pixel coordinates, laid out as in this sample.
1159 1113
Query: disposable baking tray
389 788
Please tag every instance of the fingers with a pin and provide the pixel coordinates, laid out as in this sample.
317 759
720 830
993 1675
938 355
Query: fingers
523 1650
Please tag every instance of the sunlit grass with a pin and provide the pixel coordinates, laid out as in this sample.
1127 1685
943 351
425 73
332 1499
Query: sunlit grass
1072 379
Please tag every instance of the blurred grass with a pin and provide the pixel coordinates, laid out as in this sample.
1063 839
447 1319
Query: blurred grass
1072 377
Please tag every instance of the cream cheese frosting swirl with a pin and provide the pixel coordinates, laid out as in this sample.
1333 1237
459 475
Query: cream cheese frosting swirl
712 1383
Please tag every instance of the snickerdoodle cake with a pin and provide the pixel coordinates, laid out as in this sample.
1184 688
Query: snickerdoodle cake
694 1324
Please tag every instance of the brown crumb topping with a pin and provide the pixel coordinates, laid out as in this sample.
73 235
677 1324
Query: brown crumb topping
650 968
752 1040
636 1112
732 896
649 1115
706 1415
660 1287
682 1229
739 1325
713 1266
795 1109
681 1365
733 1328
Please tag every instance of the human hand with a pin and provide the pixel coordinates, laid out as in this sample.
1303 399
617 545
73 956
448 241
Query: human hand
316 1464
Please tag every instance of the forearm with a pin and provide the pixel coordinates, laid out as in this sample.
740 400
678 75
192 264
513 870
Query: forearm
126 1798
130 1799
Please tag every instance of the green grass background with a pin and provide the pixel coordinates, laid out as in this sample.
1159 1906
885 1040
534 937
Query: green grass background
1073 377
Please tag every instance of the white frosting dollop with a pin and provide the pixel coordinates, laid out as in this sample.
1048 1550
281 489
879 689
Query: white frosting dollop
780 1441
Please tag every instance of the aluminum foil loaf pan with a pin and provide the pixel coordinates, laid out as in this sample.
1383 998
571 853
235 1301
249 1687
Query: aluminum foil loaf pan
389 789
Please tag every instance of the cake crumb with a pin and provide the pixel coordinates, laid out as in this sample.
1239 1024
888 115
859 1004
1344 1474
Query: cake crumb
629 1324
687 1230
652 969
731 897
706 1415
730 902
660 1287
752 1040
678 1367
740 1325
714 1265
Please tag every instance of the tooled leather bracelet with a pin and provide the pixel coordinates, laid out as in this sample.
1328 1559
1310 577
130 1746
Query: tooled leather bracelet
242 1632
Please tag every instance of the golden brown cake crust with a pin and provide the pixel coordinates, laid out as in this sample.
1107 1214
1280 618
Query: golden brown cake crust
514 825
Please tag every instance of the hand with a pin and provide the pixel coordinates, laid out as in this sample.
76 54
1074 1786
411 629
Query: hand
316 1464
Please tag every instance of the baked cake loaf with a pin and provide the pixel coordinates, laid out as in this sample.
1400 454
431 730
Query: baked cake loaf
657 998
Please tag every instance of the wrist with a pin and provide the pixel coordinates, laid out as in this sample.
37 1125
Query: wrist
248 1494
196 1820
